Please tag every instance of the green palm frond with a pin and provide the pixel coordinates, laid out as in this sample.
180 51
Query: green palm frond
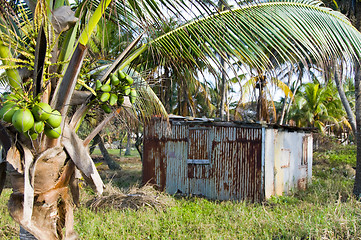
147 103
294 29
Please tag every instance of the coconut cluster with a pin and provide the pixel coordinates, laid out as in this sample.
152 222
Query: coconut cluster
33 120
118 85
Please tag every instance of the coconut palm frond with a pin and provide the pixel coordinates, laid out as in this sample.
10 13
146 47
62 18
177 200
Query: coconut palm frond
285 89
147 104
252 33
247 88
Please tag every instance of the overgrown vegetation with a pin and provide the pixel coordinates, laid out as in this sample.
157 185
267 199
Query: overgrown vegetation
326 210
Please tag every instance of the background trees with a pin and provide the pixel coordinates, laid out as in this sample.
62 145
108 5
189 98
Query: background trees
318 105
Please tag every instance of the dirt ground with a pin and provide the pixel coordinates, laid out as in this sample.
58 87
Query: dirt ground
130 174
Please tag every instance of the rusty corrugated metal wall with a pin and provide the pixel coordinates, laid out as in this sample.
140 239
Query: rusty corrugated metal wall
219 162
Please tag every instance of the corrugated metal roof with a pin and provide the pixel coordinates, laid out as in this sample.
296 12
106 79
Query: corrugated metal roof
213 122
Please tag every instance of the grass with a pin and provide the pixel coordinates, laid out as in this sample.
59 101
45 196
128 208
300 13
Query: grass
326 210
115 152
8 228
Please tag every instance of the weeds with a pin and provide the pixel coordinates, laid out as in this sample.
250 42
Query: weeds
326 210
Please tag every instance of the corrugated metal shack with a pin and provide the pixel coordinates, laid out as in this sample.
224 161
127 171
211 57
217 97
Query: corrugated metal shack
226 160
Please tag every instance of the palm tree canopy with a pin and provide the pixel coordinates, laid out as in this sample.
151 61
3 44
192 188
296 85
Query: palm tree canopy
318 106
293 30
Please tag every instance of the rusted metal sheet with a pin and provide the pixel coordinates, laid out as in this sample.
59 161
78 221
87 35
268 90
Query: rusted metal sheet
225 160
198 145
237 163
219 162
154 156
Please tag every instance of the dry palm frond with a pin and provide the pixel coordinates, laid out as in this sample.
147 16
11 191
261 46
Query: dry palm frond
136 198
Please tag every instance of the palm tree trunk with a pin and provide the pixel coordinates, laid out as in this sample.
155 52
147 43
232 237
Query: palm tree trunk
298 84
262 111
345 103
108 159
138 144
121 138
93 146
222 91
167 90
127 150
357 184
284 106
2 174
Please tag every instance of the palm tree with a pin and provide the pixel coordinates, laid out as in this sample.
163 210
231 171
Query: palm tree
352 10
259 88
318 106
295 29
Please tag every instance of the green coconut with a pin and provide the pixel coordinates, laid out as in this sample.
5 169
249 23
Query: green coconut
38 127
114 80
41 111
106 88
126 90
106 108
23 120
120 100
98 85
52 132
129 80
7 111
32 135
133 95
113 99
104 97
121 74
54 119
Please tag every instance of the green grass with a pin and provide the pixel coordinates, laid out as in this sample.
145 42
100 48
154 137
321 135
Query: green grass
326 210
338 155
115 152
8 228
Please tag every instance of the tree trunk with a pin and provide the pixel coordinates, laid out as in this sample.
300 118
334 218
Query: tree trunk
298 84
262 109
121 138
167 90
93 146
222 91
357 184
127 150
108 159
284 105
138 144
345 103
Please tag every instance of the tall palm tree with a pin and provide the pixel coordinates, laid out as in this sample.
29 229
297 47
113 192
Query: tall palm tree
352 9
295 29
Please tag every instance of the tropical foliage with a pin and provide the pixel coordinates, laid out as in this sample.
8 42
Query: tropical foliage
318 105
43 48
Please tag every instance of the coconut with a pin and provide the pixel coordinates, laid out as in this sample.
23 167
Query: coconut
114 80
7 111
54 119
106 88
23 120
41 111
53 132
104 97
38 127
